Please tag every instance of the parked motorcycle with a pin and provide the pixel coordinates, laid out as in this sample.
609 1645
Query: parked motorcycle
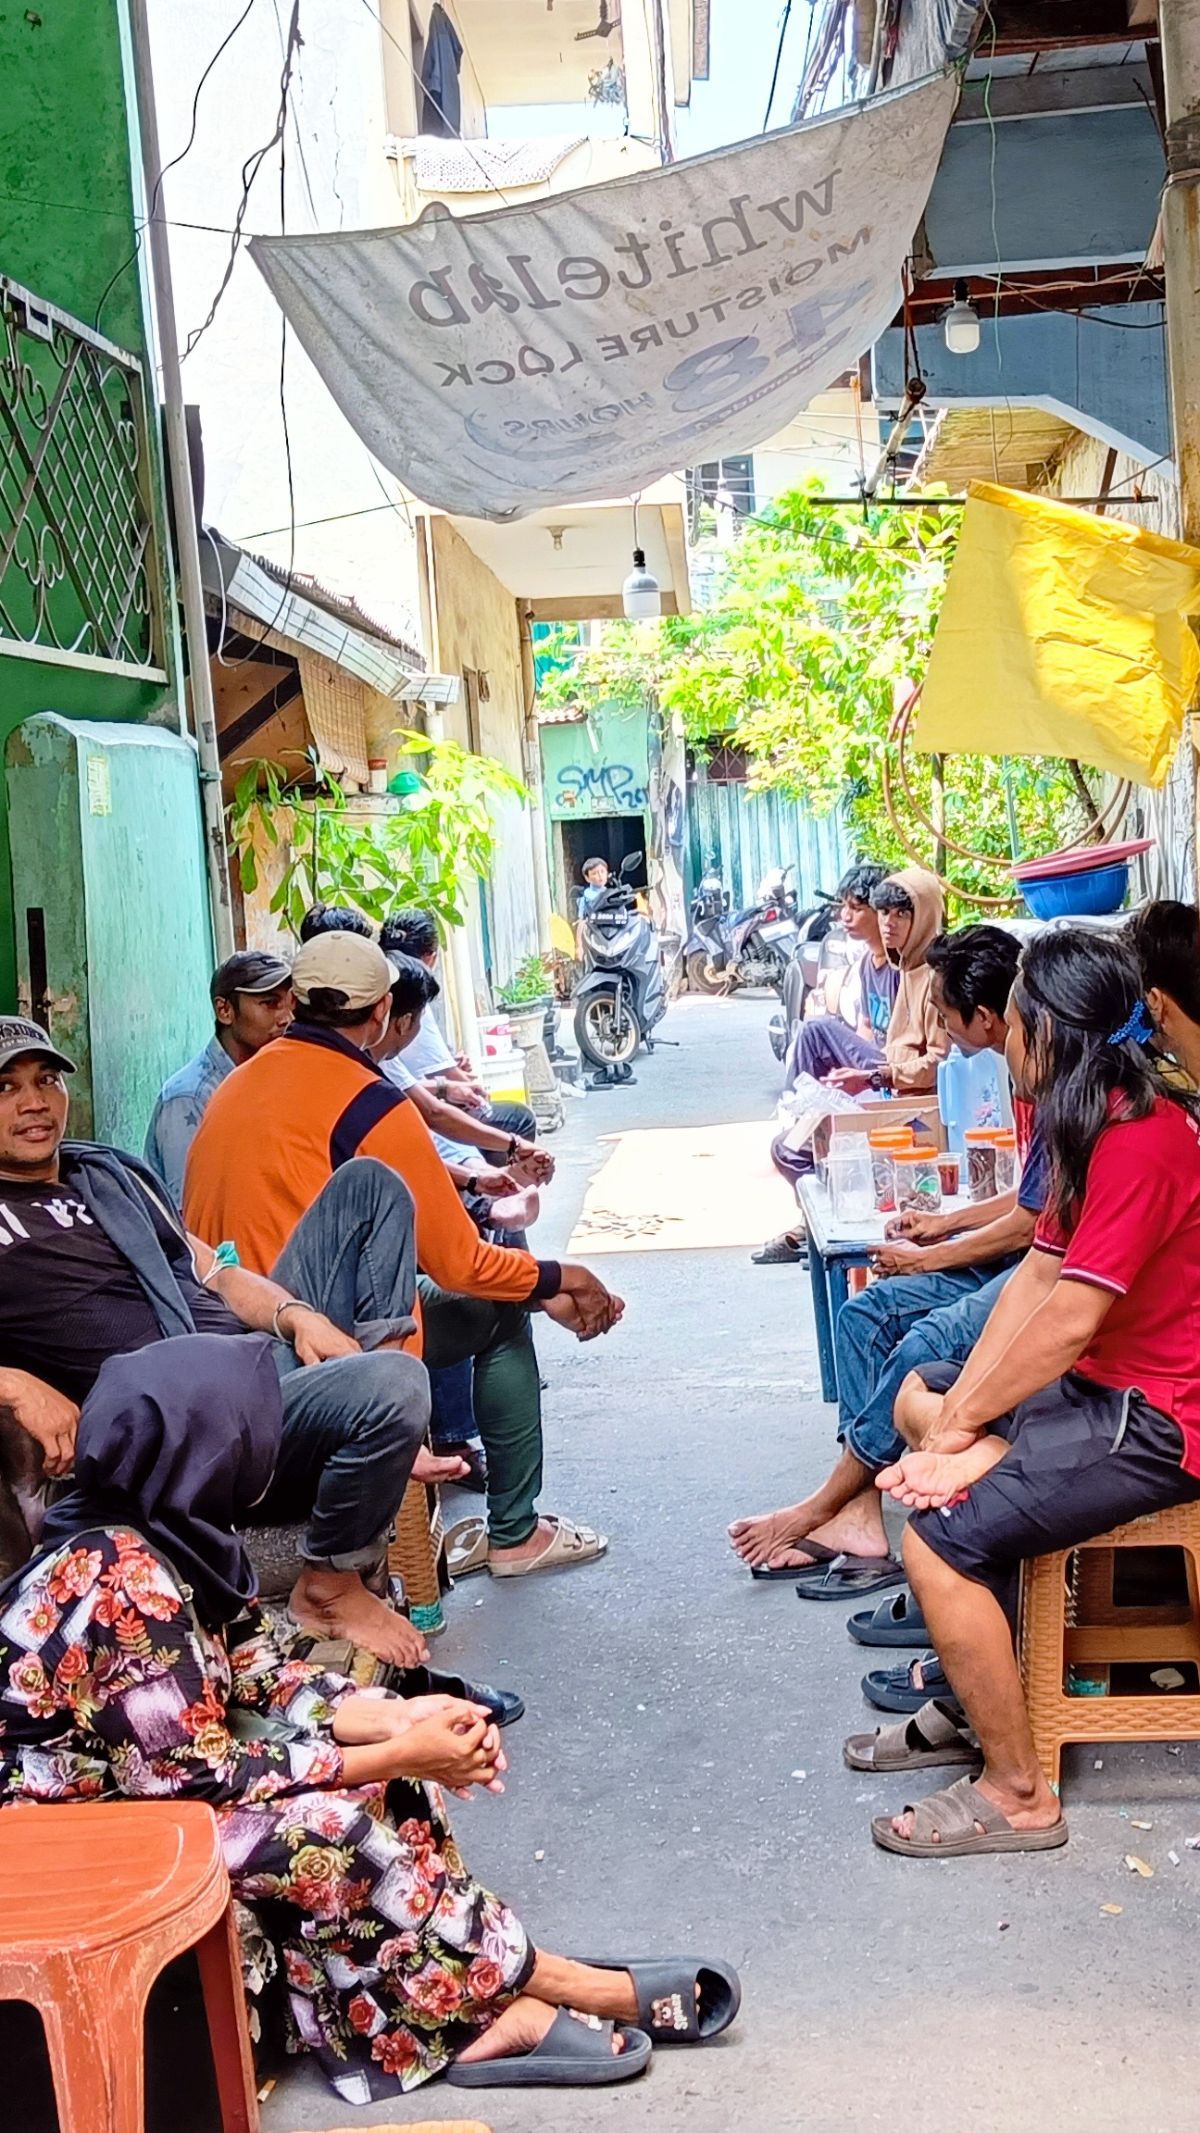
753 947
622 997
821 951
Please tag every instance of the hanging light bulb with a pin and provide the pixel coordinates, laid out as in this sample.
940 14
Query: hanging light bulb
961 323
641 594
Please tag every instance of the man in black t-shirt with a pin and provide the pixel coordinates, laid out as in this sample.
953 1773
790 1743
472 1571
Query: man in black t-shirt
95 1263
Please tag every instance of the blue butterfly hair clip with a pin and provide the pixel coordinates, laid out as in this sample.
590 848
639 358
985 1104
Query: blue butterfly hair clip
1139 1027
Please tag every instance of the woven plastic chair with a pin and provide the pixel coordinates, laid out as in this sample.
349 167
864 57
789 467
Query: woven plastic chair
1069 1619
415 1556
96 1900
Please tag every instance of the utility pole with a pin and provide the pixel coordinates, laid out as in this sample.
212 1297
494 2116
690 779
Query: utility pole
204 715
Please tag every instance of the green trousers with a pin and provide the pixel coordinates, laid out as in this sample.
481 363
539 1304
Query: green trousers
508 1400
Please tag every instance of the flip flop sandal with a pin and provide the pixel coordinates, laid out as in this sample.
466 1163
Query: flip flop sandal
570 1546
849 1577
780 1253
895 1621
895 1688
467 1548
818 1551
668 2009
959 1821
931 1737
575 2053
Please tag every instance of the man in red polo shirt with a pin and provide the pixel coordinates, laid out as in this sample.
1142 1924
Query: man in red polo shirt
1080 1406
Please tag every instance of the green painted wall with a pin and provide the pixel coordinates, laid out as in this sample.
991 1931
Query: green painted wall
107 845
596 767
66 230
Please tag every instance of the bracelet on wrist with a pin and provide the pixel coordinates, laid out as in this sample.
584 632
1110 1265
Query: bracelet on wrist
287 1303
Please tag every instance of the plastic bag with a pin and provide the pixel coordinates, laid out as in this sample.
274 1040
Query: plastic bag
801 1109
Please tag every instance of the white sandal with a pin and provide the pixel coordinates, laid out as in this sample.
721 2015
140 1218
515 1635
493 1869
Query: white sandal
467 1548
571 1546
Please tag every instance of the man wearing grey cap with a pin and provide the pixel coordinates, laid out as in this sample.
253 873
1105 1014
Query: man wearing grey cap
252 1002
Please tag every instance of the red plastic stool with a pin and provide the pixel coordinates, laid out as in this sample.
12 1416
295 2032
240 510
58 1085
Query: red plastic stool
96 1900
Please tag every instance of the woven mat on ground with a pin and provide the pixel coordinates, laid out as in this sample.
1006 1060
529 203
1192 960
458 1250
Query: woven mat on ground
684 1189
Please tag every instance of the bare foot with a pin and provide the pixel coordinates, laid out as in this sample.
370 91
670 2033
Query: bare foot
1034 1807
336 1603
776 1540
928 1480
437 1466
521 2028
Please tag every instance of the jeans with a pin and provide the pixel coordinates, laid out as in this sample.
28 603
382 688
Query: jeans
351 1427
508 1400
825 1043
895 1326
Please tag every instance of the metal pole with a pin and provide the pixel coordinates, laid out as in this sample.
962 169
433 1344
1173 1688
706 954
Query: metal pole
1179 29
1179 26
187 542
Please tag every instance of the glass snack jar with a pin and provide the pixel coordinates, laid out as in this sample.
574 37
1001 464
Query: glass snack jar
918 1186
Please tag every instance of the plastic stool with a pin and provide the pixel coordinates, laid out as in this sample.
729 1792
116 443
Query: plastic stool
1068 1618
96 1900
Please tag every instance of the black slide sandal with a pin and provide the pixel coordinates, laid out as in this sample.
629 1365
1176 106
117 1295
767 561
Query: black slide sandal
895 1622
575 2053
666 1995
849 1577
820 1555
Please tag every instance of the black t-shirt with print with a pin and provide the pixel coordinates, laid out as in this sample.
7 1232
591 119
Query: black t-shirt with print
68 1298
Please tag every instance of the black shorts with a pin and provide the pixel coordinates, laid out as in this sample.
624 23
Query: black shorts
1084 1458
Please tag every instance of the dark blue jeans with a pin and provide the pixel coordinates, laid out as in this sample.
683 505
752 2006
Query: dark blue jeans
351 1427
896 1326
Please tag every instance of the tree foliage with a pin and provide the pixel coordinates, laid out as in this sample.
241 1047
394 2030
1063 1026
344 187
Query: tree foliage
820 617
335 851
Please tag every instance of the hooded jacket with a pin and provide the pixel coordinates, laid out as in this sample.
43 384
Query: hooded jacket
916 1040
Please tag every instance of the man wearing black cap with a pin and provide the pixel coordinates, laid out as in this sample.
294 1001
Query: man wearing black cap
252 1002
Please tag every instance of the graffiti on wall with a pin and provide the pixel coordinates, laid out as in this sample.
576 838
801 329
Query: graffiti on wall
599 788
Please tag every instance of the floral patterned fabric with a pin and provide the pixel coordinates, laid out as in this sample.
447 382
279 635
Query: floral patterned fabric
109 1686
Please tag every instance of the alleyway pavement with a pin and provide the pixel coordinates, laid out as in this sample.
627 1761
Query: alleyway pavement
678 1785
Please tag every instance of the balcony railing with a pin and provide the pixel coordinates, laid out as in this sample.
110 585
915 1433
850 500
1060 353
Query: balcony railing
78 565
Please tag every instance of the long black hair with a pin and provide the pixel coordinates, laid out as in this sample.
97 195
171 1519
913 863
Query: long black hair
1165 937
1077 993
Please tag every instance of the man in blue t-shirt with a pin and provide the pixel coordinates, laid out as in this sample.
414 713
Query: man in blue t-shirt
944 1273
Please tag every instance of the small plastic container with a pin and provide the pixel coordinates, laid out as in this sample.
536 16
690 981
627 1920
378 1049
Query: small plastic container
883 1145
918 1186
1005 1145
980 1146
949 1164
850 1179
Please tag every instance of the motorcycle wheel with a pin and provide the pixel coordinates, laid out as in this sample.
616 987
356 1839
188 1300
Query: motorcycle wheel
606 1031
702 977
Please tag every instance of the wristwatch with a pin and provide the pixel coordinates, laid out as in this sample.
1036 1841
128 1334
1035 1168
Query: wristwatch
472 1187
513 1150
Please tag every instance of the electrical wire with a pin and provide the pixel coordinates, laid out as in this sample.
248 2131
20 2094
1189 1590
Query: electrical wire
250 170
174 163
783 30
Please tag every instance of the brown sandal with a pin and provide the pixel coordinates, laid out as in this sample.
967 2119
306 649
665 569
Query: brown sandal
932 1736
962 1820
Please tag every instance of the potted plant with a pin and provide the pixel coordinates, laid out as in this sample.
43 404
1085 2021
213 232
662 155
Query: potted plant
525 997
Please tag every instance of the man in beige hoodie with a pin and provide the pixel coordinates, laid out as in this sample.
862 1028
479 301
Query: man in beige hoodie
912 911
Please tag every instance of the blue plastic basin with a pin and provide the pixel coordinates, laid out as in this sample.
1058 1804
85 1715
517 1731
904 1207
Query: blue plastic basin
1086 895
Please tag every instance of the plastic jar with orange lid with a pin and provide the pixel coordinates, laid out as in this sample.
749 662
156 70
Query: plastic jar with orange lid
918 1185
980 1145
883 1144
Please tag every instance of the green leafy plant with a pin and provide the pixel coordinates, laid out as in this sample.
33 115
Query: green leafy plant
530 984
423 850
820 618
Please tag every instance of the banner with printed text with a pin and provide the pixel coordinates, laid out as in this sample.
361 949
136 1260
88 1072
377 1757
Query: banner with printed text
590 343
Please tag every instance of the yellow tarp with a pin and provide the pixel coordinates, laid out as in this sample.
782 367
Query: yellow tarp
1062 634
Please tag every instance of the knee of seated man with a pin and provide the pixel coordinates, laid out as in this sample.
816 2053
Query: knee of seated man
395 1402
368 1180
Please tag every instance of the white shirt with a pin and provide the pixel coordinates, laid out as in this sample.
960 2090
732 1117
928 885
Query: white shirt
429 1052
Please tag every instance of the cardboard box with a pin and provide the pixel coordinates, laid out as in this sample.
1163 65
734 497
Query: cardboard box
919 1112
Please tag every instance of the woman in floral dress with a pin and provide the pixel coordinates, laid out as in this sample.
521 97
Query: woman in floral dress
134 1662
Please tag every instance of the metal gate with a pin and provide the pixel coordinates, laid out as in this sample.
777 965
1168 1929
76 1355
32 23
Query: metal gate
745 834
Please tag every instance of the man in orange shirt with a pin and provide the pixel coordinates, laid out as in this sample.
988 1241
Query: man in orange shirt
285 1123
